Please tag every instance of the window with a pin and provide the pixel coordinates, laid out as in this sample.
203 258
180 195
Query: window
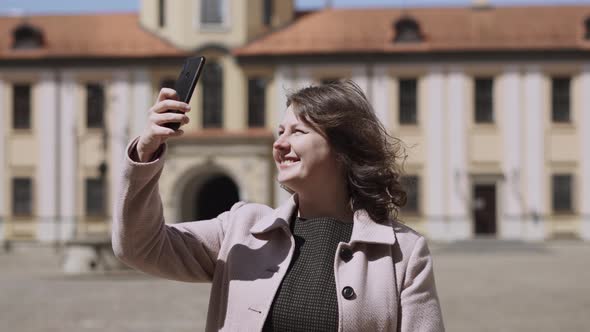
562 193
95 197
21 106
211 12
94 105
26 36
411 184
22 197
161 13
407 30
484 109
560 99
407 102
256 102
212 96
267 12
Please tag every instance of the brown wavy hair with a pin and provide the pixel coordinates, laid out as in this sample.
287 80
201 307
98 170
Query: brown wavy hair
372 158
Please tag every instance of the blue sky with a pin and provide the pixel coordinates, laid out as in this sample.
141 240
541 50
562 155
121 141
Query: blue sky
8 7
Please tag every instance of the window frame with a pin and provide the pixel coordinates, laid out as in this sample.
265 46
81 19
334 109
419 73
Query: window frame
413 121
161 13
569 206
14 199
28 124
405 181
213 123
102 210
556 100
214 27
257 115
103 99
477 101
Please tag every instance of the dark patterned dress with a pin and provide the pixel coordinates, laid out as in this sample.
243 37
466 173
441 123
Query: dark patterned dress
307 299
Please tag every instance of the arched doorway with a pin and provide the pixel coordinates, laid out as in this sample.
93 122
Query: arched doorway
213 196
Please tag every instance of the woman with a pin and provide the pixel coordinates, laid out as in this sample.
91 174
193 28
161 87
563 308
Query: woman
332 257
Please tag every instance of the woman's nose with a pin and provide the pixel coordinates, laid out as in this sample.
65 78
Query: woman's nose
281 143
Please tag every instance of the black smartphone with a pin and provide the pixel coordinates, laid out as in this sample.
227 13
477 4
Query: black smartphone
186 82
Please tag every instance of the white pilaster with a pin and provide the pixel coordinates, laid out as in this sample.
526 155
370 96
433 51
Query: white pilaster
118 124
3 130
379 94
142 101
46 94
304 77
511 126
285 83
584 132
434 168
534 154
68 157
457 170
360 76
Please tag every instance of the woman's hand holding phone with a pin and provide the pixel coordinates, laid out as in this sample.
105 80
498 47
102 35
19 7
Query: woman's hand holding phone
155 133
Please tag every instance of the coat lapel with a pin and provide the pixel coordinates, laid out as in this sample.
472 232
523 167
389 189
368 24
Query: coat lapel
364 228
278 218
367 230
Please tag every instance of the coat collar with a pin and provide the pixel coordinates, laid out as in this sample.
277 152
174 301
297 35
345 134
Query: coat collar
364 228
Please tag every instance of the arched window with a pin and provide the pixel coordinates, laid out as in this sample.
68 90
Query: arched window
212 95
26 36
407 30
587 28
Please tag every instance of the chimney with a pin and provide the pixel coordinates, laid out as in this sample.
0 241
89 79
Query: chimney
480 4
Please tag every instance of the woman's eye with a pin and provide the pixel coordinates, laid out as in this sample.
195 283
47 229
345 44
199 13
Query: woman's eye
299 131
280 133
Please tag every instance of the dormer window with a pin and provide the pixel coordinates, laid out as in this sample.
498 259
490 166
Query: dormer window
407 30
587 29
212 14
26 36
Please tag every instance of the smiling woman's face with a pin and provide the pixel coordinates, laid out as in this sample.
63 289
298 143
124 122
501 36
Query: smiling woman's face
302 155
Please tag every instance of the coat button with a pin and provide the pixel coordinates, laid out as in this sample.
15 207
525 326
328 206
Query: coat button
346 254
348 293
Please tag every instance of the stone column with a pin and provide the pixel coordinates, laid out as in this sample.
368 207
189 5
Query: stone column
379 94
360 76
142 101
118 129
584 134
285 83
457 170
435 155
47 171
303 77
534 154
3 179
68 175
511 126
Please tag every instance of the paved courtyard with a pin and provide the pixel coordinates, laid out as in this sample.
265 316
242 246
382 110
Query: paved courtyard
483 285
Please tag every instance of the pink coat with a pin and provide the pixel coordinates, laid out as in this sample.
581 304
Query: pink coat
246 251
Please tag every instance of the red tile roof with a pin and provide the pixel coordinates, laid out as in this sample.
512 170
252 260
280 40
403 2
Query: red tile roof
353 31
86 36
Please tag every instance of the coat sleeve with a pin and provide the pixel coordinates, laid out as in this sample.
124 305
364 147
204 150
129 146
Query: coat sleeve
420 307
141 238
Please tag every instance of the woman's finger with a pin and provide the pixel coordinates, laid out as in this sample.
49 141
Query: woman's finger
170 104
161 118
161 132
167 93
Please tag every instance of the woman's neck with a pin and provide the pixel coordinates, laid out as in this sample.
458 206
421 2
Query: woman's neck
325 201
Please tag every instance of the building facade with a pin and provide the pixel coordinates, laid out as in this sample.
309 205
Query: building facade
490 102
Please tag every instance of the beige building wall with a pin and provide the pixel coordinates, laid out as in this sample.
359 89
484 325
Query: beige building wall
242 21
